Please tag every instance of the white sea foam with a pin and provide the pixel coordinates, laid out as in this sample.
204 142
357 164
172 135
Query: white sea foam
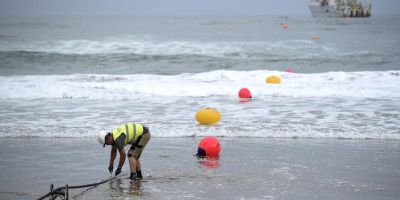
214 83
126 47
154 47
323 105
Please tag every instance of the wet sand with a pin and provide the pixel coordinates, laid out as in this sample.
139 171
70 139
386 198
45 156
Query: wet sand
255 168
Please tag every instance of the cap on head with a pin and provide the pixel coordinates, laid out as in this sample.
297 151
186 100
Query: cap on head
101 137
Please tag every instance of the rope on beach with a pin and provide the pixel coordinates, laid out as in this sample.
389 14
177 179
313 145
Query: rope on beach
62 192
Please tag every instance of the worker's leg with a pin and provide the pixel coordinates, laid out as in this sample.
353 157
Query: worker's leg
135 153
133 164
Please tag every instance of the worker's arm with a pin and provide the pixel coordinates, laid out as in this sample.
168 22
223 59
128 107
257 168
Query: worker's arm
119 143
122 156
113 154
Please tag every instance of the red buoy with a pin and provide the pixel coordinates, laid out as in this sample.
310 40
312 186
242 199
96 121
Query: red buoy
245 93
289 70
208 146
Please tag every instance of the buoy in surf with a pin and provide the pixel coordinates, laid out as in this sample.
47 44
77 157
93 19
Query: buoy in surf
245 93
208 146
273 80
316 37
285 25
208 116
289 70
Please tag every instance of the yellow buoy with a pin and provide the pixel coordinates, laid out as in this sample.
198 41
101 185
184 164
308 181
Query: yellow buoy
208 116
273 80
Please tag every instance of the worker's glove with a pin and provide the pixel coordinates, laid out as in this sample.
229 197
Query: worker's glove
110 168
118 171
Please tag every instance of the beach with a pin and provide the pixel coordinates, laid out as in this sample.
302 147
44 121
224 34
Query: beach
328 130
248 168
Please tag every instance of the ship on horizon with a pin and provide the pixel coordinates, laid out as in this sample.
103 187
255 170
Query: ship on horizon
340 8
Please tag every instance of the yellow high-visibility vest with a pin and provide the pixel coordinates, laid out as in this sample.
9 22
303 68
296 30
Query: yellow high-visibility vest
132 132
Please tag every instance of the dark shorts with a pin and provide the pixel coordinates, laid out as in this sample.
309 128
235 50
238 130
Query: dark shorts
136 150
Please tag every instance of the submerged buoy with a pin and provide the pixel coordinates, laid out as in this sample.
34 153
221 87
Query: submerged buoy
245 93
273 80
208 116
208 146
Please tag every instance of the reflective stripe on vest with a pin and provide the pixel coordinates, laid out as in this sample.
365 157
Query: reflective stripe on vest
127 134
134 133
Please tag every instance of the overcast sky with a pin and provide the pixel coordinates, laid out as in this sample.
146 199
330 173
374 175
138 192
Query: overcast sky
171 7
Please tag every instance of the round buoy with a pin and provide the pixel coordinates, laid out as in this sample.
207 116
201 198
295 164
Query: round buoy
208 146
208 116
244 93
316 37
273 80
285 25
289 70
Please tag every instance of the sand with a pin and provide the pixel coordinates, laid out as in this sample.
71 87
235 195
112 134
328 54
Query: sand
254 168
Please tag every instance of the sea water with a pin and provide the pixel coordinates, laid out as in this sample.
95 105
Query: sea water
73 76
62 79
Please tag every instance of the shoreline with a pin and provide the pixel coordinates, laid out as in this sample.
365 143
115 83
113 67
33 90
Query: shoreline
246 169
221 137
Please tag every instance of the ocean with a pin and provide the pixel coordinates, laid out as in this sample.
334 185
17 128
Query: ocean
67 78
70 76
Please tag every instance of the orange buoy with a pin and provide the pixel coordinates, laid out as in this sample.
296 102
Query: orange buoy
208 146
208 116
316 37
285 25
273 80
244 93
